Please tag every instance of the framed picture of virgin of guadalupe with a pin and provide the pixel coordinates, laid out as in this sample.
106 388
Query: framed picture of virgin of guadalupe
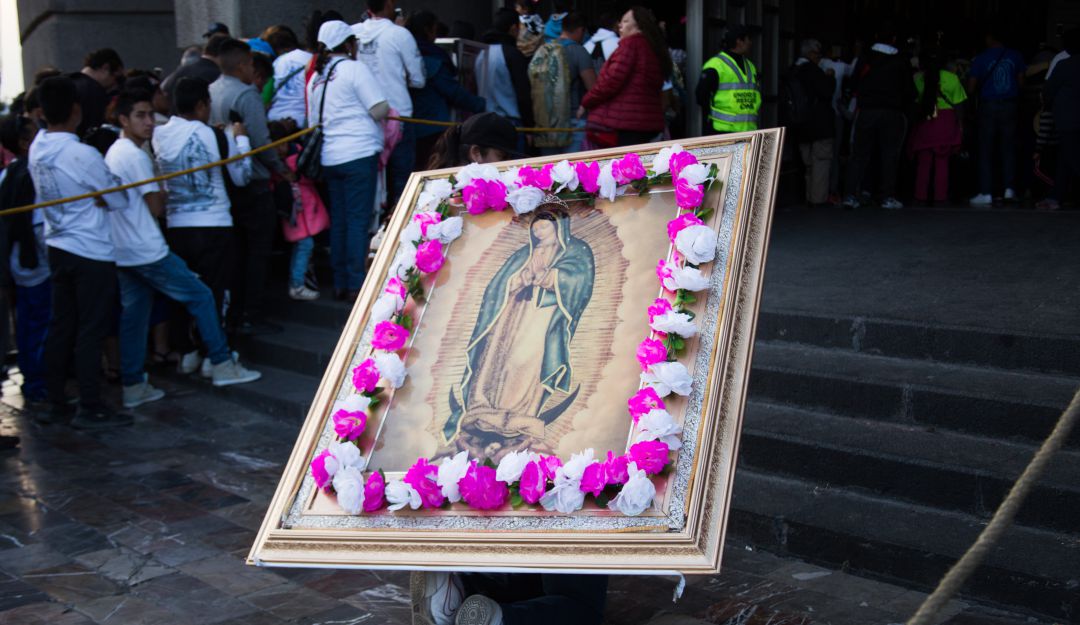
545 369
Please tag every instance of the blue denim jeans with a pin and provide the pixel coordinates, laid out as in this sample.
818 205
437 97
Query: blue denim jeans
301 255
352 203
32 307
170 276
997 140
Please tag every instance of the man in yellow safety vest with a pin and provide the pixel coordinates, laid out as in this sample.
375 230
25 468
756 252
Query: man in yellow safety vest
729 86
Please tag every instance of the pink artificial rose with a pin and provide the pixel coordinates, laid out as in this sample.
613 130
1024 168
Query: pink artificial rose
588 175
481 490
421 476
663 270
365 376
617 468
429 256
628 169
373 492
550 464
474 196
644 401
427 219
318 469
594 479
541 179
650 352
532 484
650 456
688 195
397 288
495 193
389 336
659 308
349 425
680 223
680 160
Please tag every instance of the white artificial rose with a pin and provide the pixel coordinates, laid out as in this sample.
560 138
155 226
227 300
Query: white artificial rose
576 465
659 425
450 473
636 495
404 261
688 278
384 308
412 233
435 191
356 403
606 182
391 368
399 494
525 199
509 178
348 455
674 322
446 230
476 171
513 464
662 161
565 497
565 175
349 485
395 297
697 243
695 174
668 377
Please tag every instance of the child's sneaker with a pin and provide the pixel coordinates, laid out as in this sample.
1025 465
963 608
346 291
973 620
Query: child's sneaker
141 393
303 293
189 362
232 372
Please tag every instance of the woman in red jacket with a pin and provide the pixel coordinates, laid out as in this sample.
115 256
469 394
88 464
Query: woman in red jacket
625 105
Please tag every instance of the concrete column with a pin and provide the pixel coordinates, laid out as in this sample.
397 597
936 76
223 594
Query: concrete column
695 58
61 32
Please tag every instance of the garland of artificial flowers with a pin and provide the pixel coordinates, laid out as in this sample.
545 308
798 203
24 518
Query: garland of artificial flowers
525 478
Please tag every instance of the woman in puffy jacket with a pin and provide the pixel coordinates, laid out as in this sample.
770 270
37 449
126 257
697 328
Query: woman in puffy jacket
625 106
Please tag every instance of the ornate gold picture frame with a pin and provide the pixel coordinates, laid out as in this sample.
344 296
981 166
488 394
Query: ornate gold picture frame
495 368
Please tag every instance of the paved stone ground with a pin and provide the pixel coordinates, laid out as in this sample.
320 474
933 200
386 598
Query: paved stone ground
151 524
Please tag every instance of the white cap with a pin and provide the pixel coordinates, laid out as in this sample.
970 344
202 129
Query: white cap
334 33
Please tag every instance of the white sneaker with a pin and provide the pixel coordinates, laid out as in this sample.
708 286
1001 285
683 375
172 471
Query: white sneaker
1010 195
479 610
141 393
982 199
892 203
436 597
232 372
303 293
207 368
189 362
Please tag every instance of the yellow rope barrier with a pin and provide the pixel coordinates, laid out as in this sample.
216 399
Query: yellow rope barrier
170 176
232 159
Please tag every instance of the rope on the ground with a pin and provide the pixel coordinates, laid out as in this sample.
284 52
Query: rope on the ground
1002 519
176 174
431 122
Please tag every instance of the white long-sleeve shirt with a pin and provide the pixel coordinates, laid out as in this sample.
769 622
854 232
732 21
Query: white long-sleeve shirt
390 52
62 167
197 200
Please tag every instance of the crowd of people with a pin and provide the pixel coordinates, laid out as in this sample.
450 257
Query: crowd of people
189 258
1012 121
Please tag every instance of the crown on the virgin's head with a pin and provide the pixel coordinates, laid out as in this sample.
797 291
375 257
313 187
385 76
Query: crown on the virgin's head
554 199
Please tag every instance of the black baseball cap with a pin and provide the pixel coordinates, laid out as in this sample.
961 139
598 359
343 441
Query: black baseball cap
215 28
491 130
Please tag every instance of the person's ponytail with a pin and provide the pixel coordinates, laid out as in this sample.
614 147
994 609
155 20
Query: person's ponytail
447 150
321 58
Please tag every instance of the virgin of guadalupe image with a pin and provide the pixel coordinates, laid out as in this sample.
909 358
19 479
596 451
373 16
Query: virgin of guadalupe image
518 377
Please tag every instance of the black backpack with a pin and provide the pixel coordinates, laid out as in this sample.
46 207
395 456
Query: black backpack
795 102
